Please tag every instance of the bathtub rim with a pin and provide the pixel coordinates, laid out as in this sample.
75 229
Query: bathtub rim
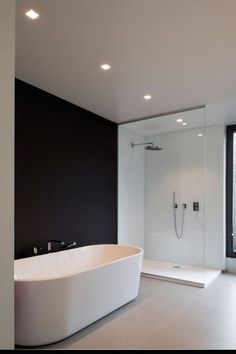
32 280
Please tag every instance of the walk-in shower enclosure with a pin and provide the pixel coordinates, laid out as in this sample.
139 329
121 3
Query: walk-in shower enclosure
161 194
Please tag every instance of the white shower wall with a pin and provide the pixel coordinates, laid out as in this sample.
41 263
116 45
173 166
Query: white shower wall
131 189
178 168
146 183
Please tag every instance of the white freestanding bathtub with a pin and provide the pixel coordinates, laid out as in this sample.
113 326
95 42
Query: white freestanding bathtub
58 294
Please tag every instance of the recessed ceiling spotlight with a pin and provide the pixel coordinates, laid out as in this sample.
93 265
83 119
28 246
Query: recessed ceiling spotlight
147 97
184 123
105 67
32 14
179 120
200 134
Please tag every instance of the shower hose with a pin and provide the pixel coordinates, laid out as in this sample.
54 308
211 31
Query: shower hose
175 206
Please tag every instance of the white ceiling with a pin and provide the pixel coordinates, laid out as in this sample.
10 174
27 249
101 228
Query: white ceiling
182 52
168 123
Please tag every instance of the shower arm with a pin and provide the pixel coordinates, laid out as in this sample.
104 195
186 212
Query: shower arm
132 144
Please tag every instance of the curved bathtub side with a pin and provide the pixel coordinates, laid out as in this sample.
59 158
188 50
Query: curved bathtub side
51 310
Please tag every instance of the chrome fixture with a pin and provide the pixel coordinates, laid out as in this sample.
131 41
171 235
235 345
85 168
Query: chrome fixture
175 206
150 146
69 245
36 249
62 244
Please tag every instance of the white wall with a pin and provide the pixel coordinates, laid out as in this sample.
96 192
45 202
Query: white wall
179 168
7 56
221 113
214 197
131 189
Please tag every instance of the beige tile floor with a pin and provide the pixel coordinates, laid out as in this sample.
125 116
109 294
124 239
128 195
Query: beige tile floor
166 316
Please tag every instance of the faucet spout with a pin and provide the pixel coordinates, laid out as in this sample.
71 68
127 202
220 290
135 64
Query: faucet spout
69 245
62 244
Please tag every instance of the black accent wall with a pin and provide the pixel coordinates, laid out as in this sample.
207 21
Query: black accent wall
65 173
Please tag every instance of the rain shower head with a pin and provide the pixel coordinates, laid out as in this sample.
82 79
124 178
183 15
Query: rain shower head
149 147
153 148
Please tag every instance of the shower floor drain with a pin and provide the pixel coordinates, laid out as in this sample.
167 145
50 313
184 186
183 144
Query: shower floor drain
177 267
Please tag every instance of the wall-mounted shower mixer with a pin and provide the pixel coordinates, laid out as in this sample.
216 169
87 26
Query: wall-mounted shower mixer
175 206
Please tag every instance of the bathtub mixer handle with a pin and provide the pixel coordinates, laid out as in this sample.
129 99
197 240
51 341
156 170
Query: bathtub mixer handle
62 243
36 249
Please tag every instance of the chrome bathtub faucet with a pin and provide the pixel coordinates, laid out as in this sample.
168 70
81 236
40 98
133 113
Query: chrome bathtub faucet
69 245
62 244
